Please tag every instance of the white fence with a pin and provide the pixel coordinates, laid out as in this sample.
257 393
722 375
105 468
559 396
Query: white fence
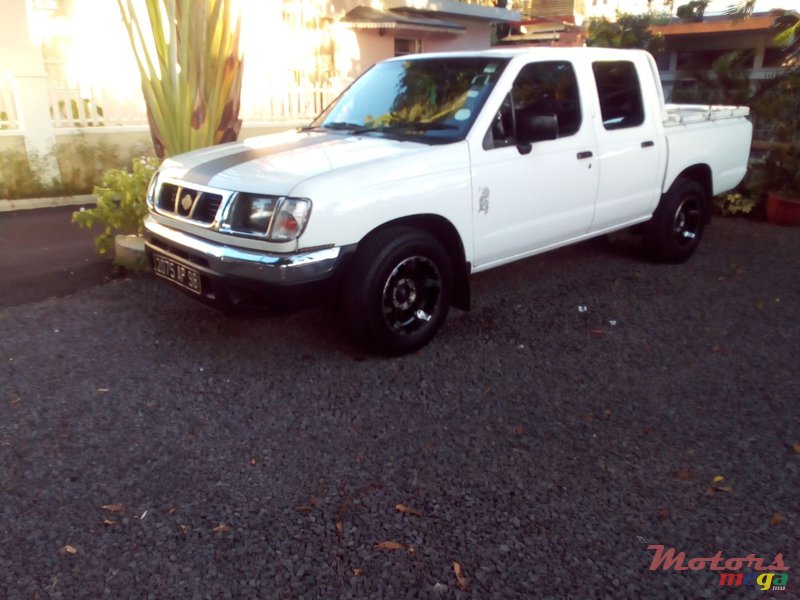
292 103
9 116
71 107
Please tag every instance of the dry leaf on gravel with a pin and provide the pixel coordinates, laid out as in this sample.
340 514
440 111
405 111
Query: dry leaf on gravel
718 488
796 448
461 581
340 530
392 545
407 510
109 522
69 549
776 519
357 572
221 528
114 508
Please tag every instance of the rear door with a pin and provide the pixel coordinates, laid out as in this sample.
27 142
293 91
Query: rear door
631 150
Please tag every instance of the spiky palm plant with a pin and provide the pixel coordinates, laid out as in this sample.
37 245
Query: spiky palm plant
786 24
191 69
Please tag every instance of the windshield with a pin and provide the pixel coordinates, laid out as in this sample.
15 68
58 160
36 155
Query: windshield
433 100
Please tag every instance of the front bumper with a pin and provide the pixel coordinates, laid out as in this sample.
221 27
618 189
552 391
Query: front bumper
236 276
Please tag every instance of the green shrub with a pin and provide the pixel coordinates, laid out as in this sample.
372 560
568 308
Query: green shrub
120 202
734 203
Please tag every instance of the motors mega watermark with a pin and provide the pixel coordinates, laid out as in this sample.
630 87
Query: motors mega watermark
769 577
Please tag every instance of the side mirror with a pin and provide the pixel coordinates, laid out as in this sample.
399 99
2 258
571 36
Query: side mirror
536 128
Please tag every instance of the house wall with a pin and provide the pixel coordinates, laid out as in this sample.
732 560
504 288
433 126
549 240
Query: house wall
554 8
15 43
476 37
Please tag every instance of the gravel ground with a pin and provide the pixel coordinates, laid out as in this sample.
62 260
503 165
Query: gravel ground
152 448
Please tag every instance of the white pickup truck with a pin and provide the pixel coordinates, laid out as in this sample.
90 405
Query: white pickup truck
429 168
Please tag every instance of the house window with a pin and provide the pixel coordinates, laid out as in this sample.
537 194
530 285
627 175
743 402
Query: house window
620 94
404 46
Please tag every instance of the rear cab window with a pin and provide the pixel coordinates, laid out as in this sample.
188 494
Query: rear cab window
620 94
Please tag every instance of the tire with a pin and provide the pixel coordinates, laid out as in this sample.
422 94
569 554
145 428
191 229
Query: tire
397 293
675 230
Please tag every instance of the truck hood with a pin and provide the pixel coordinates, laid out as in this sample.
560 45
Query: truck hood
274 164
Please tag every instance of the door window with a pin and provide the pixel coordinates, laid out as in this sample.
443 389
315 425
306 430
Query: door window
541 89
620 94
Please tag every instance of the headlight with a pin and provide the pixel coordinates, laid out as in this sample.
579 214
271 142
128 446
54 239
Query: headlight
275 219
151 191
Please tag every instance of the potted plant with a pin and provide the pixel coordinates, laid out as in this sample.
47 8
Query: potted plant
777 174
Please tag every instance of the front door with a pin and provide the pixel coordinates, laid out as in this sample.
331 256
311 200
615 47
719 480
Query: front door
530 197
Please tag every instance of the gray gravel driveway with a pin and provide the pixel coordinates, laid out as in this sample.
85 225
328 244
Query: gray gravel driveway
152 448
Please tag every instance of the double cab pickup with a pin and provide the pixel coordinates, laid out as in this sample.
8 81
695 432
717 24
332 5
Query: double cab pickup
430 168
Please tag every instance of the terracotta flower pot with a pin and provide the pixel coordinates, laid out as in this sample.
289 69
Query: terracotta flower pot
783 211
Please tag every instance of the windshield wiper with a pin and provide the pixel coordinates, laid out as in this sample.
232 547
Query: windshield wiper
358 129
339 125
335 126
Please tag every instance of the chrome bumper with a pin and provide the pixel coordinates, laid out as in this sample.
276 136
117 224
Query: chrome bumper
226 261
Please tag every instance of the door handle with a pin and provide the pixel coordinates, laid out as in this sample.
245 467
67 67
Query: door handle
648 144
582 155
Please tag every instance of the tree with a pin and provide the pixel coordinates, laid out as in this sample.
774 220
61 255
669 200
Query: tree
628 31
191 70
693 11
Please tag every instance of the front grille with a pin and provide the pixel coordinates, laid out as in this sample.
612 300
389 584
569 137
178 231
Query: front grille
189 203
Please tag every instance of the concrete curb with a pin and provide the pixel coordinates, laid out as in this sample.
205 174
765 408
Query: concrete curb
30 203
129 252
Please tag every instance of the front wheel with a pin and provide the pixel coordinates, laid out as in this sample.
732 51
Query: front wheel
675 230
397 293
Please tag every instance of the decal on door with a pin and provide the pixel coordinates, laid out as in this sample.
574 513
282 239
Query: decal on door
483 201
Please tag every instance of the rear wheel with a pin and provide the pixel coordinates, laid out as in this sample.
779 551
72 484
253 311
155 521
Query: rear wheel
675 230
398 291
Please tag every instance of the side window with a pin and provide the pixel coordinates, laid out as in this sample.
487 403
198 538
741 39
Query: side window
541 89
620 94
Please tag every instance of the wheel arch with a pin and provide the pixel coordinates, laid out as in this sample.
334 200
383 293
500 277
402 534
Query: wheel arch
701 173
445 232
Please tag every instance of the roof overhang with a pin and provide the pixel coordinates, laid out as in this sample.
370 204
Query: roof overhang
756 23
365 17
451 9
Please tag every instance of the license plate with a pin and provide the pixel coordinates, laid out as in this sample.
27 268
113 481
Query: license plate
184 276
